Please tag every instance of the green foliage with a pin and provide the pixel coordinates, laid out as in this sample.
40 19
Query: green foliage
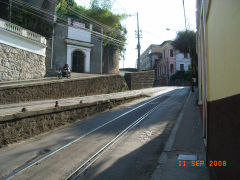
64 4
186 43
124 85
182 75
102 4
32 20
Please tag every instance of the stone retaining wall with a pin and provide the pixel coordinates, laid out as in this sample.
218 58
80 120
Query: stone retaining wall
24 125
140 80
64 88
17 64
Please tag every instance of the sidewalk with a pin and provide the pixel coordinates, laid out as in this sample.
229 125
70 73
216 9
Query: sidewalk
9 109
47 79
183 157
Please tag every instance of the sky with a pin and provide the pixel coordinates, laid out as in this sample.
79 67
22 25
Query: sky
154 17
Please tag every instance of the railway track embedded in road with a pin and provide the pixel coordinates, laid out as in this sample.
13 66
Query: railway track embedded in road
77 172
84 166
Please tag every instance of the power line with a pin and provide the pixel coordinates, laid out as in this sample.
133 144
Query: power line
95 35
88 18
91 20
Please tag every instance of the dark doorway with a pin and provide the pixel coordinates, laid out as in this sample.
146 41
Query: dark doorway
78 62
171 68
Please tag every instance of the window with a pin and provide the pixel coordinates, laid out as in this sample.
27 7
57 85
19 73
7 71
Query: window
181 67
171 52
150 51
45 4
185 55
171 68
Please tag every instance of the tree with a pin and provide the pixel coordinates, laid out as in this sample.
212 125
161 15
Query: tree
186 42
102 4
26 14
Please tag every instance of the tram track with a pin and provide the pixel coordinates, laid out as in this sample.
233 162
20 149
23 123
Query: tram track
84 166
96 155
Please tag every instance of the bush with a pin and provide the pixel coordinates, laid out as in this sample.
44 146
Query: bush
182 75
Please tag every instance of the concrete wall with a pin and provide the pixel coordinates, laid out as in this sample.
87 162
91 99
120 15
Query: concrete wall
62 89
79 34
223 49
140 80
95 63
111 57
218 51
223 86
48 57
60 47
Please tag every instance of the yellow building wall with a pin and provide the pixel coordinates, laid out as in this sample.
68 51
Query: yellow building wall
223 49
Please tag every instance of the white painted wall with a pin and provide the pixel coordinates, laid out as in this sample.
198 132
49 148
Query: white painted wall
21 42
86 51
79 34
181 60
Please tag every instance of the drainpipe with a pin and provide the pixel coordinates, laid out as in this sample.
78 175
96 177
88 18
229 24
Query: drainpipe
101 46
167 72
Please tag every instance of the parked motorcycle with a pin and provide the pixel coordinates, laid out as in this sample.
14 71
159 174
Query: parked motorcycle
63 73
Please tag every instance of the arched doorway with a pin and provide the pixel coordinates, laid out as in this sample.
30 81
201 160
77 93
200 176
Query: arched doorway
78 61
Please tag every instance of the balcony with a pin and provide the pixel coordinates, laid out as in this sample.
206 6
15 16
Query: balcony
21 31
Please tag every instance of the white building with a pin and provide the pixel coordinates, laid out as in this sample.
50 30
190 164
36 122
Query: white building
149 57
72 45
22 53
182 61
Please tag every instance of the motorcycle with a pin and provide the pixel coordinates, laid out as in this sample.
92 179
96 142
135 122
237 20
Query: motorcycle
63 73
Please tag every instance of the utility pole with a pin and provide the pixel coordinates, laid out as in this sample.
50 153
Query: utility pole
184 14
139 34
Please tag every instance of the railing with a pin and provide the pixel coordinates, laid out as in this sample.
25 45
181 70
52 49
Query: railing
13 28
21 31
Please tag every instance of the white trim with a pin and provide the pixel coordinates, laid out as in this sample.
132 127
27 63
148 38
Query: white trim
86 51
21 42
78 43
21 31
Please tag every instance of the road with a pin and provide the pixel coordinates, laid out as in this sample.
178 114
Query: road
123 143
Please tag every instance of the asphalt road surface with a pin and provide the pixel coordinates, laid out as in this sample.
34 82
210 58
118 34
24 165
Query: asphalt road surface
124 143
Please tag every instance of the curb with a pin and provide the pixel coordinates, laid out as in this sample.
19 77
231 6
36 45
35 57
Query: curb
168 146
19 126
